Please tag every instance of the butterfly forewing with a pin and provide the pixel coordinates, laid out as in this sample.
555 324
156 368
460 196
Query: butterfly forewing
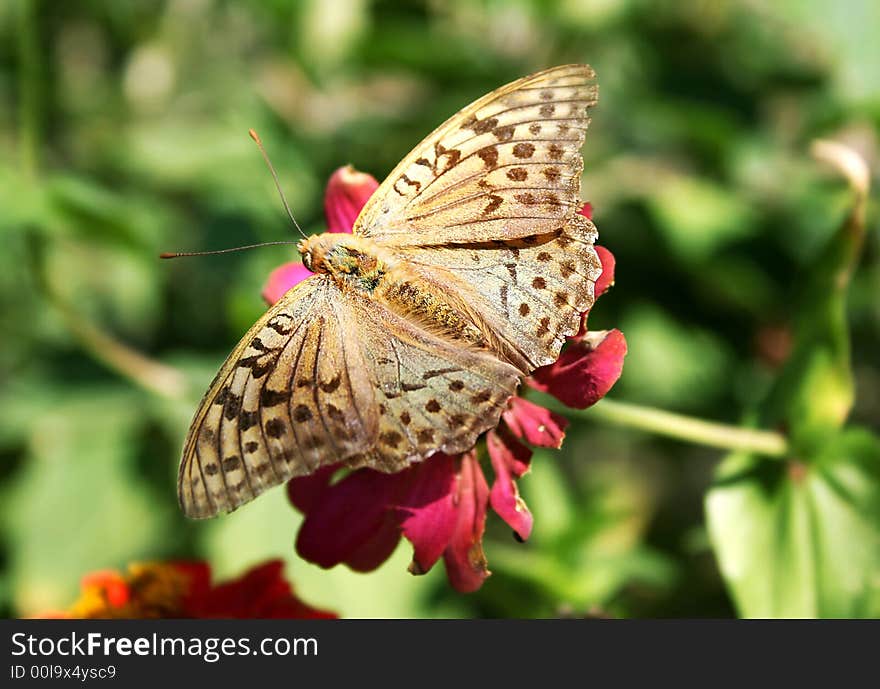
506 166
283 404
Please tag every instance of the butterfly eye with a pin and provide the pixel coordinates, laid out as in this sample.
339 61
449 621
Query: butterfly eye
306 254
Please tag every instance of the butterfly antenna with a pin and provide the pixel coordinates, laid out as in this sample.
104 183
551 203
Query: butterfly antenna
178 254
256 138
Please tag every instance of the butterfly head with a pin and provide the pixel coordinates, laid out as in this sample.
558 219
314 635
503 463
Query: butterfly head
319 252
348 259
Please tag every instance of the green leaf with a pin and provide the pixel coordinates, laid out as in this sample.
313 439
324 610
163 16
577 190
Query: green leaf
800 539
697 217
670 363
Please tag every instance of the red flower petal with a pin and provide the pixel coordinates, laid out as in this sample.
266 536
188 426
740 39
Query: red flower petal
587 210
606 279
350 522
347 192
535 424
373 551
305 492
427 512
510 459
466 564
517 456
586 370
261 592
199 576
282 279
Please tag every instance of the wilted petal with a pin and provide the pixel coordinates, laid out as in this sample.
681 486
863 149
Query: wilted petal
427 511
535 424
350 521
466 564
510 459
347 192
586 370
282 279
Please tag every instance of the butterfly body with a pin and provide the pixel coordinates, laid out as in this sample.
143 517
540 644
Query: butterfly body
361 265
466 270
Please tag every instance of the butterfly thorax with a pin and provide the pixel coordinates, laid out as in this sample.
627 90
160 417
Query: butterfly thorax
359 264
353 262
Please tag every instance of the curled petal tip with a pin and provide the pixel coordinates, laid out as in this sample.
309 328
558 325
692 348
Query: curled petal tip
535 424
606 279
348 190
586 371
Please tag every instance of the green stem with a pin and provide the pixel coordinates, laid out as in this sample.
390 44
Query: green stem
29 86
154 376
151 375
681 427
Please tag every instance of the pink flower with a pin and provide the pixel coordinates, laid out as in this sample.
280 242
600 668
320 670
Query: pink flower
440 504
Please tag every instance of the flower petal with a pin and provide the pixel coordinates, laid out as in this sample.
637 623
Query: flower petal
282 279
586 370
516 456
378 547
347 192
304 492
587 210
427 512
606 279
261 592
350 521
466 564
534 424
510 459
110 584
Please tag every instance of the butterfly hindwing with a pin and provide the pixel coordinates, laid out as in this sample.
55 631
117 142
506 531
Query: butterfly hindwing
431 394
530 292
506 166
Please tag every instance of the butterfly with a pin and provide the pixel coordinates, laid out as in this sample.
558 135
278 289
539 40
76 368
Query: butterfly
466 270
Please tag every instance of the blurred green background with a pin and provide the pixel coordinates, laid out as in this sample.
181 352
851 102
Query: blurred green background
123 133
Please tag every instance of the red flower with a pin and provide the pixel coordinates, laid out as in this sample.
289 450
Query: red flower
439 505
184 590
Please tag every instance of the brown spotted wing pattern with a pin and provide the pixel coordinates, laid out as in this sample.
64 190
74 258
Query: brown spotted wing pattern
506 166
